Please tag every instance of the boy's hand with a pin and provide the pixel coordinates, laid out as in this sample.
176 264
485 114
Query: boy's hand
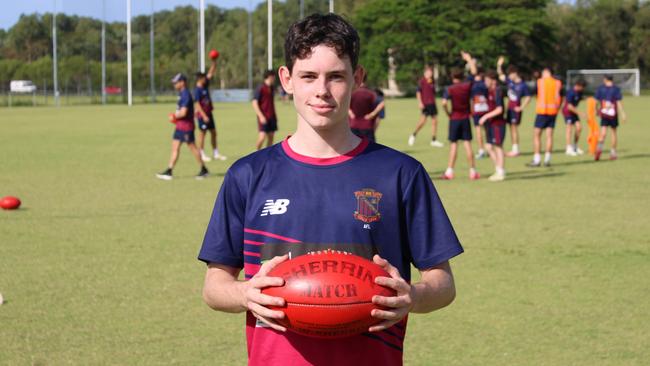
481 121
501 60
399 305
256 301
421 105
623 118
262 119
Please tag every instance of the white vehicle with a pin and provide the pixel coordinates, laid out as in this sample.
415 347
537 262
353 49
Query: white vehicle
22 86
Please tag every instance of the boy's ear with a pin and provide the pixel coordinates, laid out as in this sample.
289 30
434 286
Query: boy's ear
285 79
359 75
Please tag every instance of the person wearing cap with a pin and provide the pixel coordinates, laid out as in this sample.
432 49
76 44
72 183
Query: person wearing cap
203 112
183 118
610 106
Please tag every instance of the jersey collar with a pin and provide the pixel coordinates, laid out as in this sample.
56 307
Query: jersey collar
324 161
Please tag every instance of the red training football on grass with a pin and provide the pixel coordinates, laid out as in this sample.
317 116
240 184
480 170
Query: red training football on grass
9 203
328 294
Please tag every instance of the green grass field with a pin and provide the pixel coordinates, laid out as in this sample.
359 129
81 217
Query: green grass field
99 265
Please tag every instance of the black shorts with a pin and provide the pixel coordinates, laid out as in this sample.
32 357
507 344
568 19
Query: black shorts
271 125
369 134
184 136
209 125
477 118
512 117
571 120
430 110
460 129
545 121
494 132
607 122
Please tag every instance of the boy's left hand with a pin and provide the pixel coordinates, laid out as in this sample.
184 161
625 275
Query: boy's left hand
398 306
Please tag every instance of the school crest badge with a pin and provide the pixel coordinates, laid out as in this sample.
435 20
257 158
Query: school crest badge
367 205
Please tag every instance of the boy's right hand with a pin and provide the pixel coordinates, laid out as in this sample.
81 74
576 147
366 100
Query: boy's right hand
262 119
256 301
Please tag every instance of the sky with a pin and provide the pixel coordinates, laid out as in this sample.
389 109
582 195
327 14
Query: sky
115 9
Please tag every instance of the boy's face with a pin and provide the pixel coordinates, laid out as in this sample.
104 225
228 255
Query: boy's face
490 83
428 73
269 80
179 85
578 88
321 85
514 77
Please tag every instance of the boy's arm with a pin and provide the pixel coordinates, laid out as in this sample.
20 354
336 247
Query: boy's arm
418 95
445 106
258 111
467 57
500 62
493 113
435 290
573 109
181 113
222 291
197 107
213 68
619 105
375 111
524 102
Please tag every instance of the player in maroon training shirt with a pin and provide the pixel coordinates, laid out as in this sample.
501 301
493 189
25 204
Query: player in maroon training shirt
459 126
264 106
426 95
495 126
363 112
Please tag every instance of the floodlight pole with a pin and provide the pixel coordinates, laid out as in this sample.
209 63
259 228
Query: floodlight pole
302 9
151 54
202 35
103 51
54 59
250 46
128 52
269 31
331 6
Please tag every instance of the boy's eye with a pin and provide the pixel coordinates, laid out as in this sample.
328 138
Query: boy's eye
308 77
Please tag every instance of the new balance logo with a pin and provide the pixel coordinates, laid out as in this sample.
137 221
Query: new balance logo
277 207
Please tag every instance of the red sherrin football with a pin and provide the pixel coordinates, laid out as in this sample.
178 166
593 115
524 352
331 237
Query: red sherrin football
9 203
214 54
328 294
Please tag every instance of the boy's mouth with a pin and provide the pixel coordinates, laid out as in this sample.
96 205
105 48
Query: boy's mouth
322 108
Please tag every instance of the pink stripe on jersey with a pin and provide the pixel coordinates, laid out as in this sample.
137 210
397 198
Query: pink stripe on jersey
252 254
324 161
270 235
251 242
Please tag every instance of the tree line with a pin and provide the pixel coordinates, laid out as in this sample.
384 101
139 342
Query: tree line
531 33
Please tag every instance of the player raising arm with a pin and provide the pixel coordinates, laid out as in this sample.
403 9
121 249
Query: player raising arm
518 99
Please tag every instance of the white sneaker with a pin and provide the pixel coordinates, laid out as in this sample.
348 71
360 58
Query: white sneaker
497 177
220 157
579 151
570 152
204 157
436 143
480 154
411 140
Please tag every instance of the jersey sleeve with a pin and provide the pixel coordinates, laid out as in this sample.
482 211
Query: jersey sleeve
432 239
525 92
599 94
498 97
618 95
445 93
186 100
224 238
258 94
197 94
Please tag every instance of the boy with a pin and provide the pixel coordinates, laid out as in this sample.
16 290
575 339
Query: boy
572 119
363 112
549 100
300 196
478 96
184 120
495 126
518 99
459 125
264 106
426 95
203 108
610 105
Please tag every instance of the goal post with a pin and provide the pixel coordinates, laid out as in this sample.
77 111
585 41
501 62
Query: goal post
629 80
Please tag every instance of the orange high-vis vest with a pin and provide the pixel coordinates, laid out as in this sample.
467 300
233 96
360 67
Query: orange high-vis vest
548 96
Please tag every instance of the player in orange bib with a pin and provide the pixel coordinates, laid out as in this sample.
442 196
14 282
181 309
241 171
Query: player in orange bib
549 100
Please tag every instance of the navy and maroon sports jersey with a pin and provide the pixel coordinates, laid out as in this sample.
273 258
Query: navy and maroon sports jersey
608 96
516 91
427 89
458 94
495 99
372 199
264 95
362 102
478 96
202 96
185 101
572 97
